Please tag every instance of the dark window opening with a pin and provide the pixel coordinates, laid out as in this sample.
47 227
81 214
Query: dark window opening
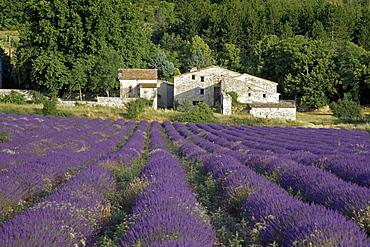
193 77
264 95
196 102
202 78
199 91
249 94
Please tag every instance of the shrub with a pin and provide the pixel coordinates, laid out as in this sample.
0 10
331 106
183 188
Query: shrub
38 98
200 114
14 97
50 108
135 108
234 98
346 109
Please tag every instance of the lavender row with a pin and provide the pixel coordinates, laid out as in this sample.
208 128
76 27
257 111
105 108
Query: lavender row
166 212
353 168
316 185
45 141
317 141
131 150
46 131
285 217
37 130
37 177
266 138
64 141
308 136
68 217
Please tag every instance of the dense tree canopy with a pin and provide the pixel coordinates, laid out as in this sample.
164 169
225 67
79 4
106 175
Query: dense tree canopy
65 39
317 50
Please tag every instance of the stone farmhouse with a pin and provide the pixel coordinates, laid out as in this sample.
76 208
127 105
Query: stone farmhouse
210 85
138 83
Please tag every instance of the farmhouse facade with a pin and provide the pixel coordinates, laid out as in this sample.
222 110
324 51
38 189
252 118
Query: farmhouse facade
138 83
210 84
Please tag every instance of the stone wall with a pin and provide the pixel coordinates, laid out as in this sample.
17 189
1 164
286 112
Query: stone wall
200 85
285 113
27 93
103 101
251 89
226 104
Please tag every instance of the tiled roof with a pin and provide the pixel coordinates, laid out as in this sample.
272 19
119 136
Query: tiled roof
137 74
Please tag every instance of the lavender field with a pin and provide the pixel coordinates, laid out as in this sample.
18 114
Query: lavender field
94 182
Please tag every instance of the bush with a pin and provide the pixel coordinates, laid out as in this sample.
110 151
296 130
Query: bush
50 108
346 109
200 114
38 98
135 108
14 97
234 98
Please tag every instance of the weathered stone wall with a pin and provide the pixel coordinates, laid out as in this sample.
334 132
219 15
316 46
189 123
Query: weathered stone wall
27 93
226 104
130 88
103 101
200 85
285 113
148 93
251 89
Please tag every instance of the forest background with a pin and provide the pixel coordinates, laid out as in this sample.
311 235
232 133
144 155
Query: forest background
317 50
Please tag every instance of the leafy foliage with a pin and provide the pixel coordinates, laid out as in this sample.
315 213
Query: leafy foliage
50 107
201 113
14 97
234 98
136 107
346 109
318 51
165 68
64 41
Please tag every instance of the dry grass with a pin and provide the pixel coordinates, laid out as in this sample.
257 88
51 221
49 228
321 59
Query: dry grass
314 119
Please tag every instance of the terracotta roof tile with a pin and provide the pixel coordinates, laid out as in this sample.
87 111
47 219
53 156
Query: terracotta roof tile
137 74
148 85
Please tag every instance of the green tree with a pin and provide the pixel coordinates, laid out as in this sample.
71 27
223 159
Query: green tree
353 67
199 60
61 33
303 68
230 57
317 31
200 53
11 14
164 67
103 77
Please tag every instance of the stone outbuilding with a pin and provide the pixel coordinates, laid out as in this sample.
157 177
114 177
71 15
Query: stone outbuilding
210 84
138 83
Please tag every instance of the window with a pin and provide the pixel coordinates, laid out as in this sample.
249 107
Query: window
264 95
199 91
249 94
193 77
202 78
196 102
